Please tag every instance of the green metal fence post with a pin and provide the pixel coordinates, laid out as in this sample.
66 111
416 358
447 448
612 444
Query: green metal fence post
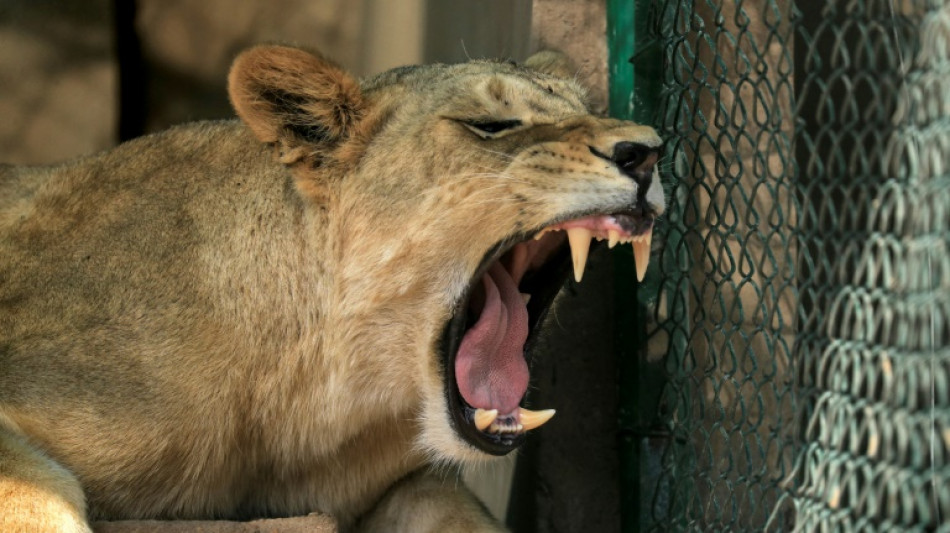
634 85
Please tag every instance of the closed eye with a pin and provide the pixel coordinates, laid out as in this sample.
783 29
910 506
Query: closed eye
490 127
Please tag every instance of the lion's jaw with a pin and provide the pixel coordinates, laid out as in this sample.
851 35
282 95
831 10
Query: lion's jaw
492 264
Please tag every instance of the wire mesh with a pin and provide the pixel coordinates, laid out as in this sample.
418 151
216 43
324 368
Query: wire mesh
874 340
725 319
803 308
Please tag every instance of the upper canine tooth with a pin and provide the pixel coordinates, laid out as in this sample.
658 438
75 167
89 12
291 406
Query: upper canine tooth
484 418
579 239
532 419
613 237
641 253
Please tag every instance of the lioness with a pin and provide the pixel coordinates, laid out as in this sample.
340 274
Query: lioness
306 309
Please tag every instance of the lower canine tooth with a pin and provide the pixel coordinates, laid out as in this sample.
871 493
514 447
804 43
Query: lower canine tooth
579 239
532 419
484 417
641 254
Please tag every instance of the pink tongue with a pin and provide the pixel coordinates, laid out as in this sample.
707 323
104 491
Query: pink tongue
490 366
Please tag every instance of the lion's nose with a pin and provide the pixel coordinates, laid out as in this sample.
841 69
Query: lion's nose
636 160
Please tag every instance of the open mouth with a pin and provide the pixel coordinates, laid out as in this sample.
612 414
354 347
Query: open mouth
487 343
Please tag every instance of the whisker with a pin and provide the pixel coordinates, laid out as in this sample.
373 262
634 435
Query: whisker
490 176
493 177
504 155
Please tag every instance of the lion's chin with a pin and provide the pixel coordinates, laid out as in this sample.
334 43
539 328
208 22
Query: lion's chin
487 344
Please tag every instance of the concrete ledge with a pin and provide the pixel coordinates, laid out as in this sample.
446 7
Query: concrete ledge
302 524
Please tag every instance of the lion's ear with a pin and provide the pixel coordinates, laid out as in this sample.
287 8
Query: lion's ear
551 62
288 96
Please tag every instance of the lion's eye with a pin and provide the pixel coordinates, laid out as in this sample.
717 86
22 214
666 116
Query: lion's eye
491 127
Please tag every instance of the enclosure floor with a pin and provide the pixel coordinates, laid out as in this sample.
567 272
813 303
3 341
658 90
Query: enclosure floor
303 524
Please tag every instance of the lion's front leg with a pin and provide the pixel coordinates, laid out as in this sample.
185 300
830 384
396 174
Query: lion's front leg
426 503
36 494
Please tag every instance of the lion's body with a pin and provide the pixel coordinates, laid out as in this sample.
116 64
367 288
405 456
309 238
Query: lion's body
118 306
191 329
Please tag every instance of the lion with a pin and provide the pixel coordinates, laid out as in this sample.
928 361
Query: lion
319 307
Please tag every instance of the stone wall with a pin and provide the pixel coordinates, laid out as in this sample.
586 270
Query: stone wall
58 76
72 71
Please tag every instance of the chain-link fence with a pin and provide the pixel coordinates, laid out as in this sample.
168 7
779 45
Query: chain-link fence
801 308
874 334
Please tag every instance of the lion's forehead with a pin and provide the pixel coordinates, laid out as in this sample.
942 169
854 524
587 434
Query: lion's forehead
488 87
525 98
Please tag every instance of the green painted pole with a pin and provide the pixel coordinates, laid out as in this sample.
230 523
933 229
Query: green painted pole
634 90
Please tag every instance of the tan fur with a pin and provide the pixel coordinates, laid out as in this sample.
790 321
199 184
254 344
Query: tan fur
240 319
37 493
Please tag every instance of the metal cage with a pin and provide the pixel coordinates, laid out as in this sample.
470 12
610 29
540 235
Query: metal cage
793 361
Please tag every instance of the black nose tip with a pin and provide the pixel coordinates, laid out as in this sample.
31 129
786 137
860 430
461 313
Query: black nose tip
636 160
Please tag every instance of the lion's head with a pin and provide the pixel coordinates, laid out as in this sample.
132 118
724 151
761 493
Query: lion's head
462 196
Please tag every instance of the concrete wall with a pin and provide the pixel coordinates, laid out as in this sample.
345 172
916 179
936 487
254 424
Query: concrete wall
57 79
63 95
